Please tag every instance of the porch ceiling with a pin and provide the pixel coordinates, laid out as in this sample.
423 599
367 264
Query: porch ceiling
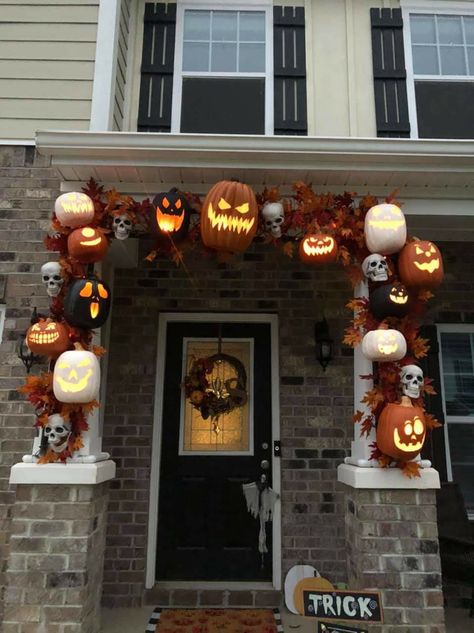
435 178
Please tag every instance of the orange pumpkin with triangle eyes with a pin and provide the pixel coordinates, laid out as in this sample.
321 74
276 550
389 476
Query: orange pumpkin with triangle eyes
48 338
87 245
420 265
318 248
229 217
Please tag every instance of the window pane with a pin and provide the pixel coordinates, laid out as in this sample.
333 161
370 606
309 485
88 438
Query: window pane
458 374
197 25
252 27
195 56
252 58
422 29
453 61
224 26
470 56
469 29
450 30
425 60
224 57
461 441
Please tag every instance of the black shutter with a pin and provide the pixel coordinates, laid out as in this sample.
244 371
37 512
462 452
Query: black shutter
391 104
289 71
435 447
156 88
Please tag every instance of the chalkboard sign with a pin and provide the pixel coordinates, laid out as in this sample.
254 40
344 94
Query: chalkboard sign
327 627
356 606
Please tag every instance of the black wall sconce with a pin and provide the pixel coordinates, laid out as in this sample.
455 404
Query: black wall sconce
25 355
323 342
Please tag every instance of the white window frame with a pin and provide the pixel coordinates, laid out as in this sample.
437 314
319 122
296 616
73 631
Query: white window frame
428 7
456 328
3 309
264 6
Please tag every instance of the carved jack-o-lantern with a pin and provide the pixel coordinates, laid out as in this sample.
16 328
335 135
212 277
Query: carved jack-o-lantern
47 338
229 217
384 345
401 430
87 245
385 229
74 209
318 248
389 300
87 303
170 214
420 265
76 377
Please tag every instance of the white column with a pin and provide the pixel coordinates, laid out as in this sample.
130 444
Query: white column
360 450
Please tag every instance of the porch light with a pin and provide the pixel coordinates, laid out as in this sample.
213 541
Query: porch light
323 343
25 354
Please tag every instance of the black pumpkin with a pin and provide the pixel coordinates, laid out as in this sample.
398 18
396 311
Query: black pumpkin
170 214
87 303
389 300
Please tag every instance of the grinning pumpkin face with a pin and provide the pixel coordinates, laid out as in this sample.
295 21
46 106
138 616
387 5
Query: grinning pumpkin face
420 265
389 300
87 245
47 338
76 377
384 345
170 214
401 431
229 217
74 209
87 303
318 248
385 229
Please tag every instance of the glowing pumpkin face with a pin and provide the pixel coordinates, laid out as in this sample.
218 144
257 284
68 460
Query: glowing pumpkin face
401 431
385 229
389 300
87 245
420 265
47 338
74 209
170 214
318 248
87 303
384 345
229 217
76 377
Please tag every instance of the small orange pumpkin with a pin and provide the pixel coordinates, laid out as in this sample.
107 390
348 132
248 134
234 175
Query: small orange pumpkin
318 248
401 430
229 217
420 265
47 338
87 245
309 584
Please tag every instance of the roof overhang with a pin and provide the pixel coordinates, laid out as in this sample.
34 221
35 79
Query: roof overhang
437 174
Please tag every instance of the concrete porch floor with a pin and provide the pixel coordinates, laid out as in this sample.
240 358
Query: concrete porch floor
135 621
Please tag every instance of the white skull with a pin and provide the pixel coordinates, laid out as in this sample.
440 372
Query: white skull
375 267
122 225
273 215
52 278
57 431
412 379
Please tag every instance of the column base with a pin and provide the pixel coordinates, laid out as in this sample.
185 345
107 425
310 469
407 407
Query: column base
67 474
384 478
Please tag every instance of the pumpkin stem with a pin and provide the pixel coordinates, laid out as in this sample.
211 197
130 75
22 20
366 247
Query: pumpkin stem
78 347
405 402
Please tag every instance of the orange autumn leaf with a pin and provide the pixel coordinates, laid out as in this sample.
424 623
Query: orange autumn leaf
420 347
76 444
151 256
366 426
431 422
429 390
384 461
373 397
410 469
357 417
99 351
288 249
352 337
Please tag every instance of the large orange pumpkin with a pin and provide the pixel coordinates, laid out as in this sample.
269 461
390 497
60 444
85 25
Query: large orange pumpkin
420 265
318 248
47 338
401 430
87 245
229 217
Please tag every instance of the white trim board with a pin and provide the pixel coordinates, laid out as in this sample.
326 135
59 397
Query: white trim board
215 317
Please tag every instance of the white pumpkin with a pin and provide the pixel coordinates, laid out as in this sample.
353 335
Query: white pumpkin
384 345
74 209
385 229
76 377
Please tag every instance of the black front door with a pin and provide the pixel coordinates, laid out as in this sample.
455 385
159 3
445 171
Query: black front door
204 529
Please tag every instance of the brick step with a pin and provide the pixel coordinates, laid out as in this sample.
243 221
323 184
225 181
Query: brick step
178 597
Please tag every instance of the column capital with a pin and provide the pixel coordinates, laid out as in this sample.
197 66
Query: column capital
63 474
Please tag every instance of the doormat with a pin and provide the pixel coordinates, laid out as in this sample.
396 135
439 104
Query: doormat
215 621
